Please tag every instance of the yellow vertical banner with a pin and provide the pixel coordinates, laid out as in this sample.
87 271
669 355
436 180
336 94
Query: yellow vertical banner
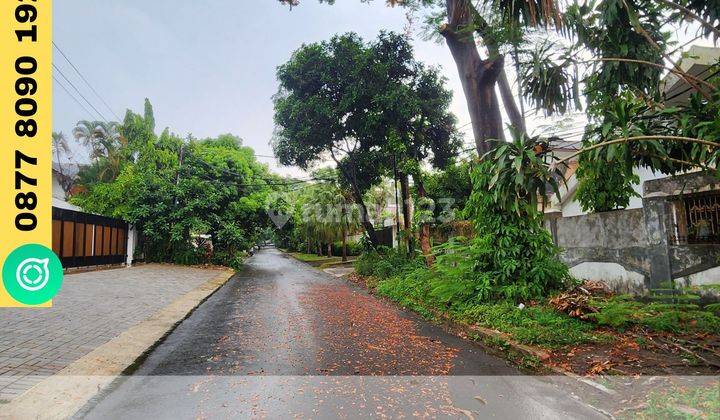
25 134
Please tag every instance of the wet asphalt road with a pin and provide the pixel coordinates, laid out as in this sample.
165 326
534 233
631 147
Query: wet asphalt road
282 339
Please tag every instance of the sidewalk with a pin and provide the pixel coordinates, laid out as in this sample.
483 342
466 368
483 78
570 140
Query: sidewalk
92 309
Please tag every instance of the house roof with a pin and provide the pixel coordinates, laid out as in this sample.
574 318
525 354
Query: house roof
62 204
698 62
557 144
69 170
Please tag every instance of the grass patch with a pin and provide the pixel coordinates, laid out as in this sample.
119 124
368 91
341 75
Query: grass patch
312 257
539 325
622 312
682 403
429 292
703 287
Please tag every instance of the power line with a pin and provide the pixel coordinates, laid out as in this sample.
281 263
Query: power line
685 44
84 79
72 96
464 125
79 93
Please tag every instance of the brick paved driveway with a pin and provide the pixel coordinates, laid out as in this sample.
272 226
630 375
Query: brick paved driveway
91 309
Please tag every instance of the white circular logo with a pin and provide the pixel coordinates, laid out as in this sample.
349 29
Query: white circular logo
32 274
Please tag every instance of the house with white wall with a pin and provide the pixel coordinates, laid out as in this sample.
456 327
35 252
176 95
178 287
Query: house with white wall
670 231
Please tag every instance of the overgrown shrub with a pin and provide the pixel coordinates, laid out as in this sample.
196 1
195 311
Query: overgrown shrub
622 312
232 259
386 262
177 253
365 264
353 248
512 256
714 308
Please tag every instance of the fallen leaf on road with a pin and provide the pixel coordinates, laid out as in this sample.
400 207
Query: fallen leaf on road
481 399
466 413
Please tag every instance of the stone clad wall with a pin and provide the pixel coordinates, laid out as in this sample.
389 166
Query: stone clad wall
695 264
631 250
609 246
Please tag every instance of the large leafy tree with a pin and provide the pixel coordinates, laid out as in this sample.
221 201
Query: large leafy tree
175 190
321 110
631 121
464 25
371 107
616 51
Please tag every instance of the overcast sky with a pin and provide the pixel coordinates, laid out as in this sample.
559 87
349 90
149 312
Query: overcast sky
207 67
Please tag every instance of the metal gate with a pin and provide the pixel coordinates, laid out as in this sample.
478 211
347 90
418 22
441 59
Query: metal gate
83 239
385 236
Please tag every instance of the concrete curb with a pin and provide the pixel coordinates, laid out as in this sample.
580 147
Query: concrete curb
542 355
63 394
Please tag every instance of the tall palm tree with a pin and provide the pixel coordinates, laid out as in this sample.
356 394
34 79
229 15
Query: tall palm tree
334 218
103 138
105 142
60 145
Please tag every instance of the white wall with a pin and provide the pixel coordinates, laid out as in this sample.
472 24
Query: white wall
131 243
571 207
614 275
709 276
57 190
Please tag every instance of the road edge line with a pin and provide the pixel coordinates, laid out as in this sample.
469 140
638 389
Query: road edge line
64 393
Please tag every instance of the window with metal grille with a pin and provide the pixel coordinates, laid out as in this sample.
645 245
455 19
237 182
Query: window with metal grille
699 221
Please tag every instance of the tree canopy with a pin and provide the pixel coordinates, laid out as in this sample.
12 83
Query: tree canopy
177 191
364 105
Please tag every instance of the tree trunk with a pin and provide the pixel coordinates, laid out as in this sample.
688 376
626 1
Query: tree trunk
478 76
344 243
517 120
407 216
329 249
365 217
351 178
425 230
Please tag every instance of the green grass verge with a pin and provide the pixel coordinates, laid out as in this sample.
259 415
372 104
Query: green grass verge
543 326
311 257
622 312
682 403
539 325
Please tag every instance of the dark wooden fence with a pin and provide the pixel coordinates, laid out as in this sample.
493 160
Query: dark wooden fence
385 236
83 239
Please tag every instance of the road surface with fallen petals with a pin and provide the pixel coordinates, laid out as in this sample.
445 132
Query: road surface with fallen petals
284 340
